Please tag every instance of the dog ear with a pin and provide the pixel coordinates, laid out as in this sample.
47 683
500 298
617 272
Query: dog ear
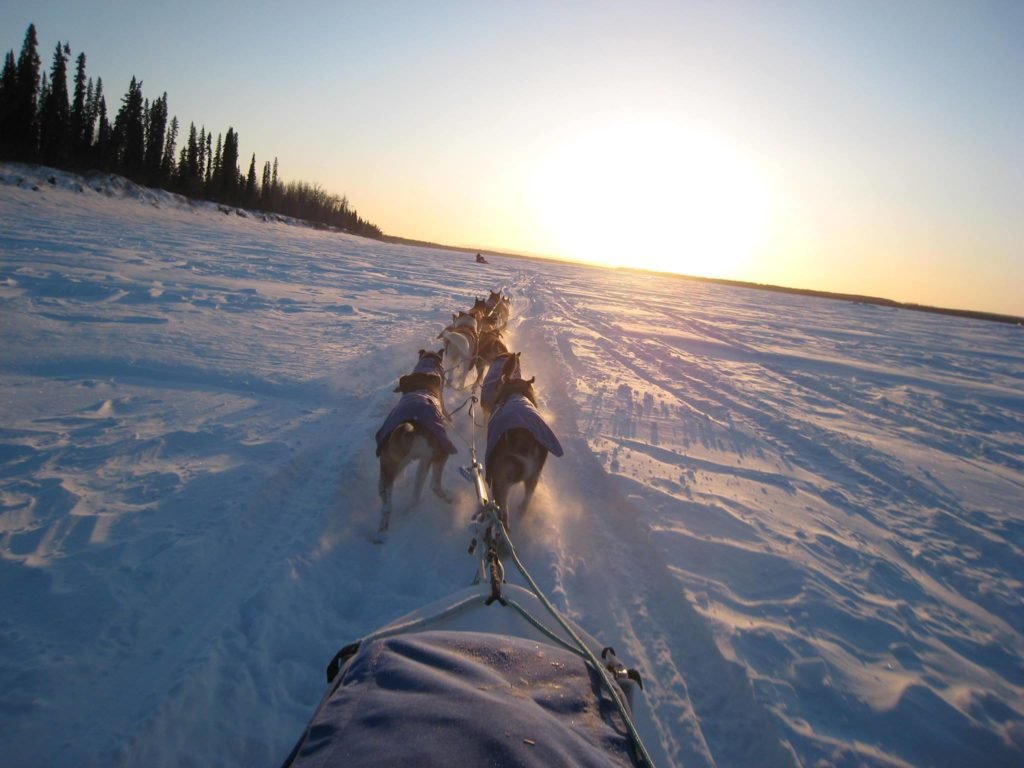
511 363
532 379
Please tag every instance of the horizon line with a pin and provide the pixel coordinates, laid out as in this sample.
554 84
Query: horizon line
977 314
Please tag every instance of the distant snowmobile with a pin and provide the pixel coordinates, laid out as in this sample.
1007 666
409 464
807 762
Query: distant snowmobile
481 260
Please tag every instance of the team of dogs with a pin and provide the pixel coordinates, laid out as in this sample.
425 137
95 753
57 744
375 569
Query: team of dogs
518 438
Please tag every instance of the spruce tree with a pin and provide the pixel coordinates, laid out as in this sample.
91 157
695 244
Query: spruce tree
275 196
188 168
42 98
265 187
211 160
104 132
250 184
229 168
76 132
96 105
167 156
8 96
181 175
130 133
24 117
55 113
156 132
213 182
88 124
203 159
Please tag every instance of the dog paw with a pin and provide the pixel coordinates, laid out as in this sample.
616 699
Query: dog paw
380 537
444 495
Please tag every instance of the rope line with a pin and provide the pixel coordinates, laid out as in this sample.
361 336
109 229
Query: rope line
484 524
616 693
464 404
488 519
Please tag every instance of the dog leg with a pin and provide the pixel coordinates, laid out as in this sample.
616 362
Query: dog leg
531 480
500 486
440 459
384 487
421 477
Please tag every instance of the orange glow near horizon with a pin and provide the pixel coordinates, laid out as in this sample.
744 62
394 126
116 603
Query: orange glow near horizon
655 196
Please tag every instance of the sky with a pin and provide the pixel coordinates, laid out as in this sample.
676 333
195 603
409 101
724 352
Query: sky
869 147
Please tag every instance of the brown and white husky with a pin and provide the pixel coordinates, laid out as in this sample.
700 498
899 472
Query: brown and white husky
415 431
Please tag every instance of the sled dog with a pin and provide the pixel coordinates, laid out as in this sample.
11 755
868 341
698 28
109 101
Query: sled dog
414 431
489 347
518 439
460 346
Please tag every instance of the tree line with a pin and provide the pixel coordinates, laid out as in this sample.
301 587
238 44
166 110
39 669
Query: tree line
41 123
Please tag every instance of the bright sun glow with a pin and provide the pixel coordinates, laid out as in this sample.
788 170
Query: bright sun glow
655 196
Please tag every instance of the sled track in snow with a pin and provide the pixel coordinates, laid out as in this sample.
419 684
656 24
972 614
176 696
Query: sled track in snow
701 705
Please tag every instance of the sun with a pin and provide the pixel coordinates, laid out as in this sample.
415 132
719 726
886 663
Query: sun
654 195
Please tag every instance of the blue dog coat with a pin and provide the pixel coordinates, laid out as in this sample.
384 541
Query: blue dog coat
419 407
517 412
489 389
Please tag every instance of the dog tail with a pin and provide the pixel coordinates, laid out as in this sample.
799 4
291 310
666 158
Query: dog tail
401 439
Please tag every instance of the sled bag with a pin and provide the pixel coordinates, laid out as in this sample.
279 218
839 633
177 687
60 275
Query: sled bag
454 698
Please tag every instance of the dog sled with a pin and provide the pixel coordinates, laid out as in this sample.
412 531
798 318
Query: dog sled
492 674
468 681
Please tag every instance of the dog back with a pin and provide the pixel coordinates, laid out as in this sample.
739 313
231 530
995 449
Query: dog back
489 389
517 412
429 362
420 407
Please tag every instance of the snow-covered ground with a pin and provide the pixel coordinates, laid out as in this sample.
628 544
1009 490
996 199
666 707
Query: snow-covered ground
801 519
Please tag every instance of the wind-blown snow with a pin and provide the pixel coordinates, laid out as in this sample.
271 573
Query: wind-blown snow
799 518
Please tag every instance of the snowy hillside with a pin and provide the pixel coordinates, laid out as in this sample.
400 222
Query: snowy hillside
801 519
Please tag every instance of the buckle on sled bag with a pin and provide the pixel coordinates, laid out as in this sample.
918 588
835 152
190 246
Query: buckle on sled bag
339 660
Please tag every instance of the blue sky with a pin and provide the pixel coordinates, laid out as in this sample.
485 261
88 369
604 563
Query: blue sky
861 147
